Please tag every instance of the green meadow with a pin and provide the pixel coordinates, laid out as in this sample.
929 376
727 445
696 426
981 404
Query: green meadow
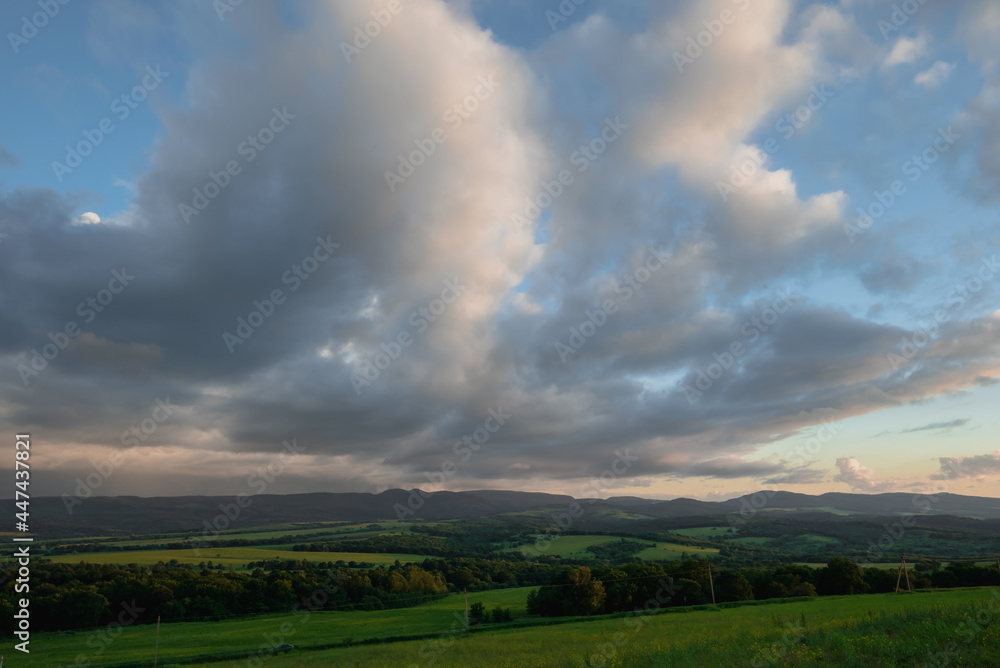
575 547
863 630
236 557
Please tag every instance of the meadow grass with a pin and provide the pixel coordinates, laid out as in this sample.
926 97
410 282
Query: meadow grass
575 547
674 551
890 630
229 556
865 630
234 637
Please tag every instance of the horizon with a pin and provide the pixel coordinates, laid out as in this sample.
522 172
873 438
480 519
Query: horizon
768 492
596 249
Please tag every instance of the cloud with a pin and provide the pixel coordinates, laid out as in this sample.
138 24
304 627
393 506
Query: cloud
88 218
906 50
979 29
935 75
944 426
493 348
8 159
975 466
798 476
863 479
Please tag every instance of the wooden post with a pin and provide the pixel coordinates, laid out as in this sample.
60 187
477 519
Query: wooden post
899 573
907 572
156 651
711 584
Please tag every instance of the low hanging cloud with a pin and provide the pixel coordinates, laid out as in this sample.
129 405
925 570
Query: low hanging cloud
974 466
862 478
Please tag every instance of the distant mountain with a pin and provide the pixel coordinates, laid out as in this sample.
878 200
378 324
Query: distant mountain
140 515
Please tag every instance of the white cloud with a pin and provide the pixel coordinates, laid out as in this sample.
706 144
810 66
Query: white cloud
861 478
88 218
935 75
906 50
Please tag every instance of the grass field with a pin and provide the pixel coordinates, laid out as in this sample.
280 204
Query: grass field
329 530
228 556
871 630
565 546
884 630
575 547
703 532
189 639
674 551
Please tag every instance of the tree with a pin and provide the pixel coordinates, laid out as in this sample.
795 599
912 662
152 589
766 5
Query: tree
477 614
841 576
733 587
587 595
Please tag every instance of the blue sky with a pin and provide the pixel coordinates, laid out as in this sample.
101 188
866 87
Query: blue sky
824 104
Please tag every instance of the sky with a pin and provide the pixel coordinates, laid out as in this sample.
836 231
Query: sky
592 247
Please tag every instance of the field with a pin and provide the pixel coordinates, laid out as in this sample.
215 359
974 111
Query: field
674 551
575 547
869 630
565 546
190 639
236 557
880 630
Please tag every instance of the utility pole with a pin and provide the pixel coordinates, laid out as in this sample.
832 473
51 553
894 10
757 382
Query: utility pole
711 584
899 576
156 651
466 590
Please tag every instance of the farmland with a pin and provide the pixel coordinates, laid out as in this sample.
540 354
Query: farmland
878 629
237 557
390 592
